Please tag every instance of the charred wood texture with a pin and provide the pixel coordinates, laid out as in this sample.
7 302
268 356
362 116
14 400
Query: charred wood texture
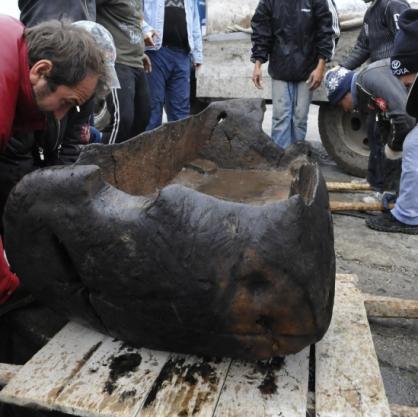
107 243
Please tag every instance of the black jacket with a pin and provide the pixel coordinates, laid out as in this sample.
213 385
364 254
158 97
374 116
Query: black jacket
292 35
377 88
59 144
375 40
33 12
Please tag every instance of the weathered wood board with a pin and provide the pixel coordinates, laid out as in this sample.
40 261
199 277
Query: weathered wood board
188 386
7 372
113 382
269 389
390 307
348 186
85 373
347 378
44 377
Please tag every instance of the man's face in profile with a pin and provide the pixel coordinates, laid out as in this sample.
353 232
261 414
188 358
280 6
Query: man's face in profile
63 98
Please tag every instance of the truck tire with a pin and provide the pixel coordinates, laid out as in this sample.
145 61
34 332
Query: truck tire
344 136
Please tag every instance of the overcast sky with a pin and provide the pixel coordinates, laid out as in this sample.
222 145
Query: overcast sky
9 7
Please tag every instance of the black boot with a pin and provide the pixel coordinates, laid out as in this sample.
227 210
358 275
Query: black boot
385 222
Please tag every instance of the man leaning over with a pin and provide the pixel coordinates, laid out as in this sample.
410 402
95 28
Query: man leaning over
49 68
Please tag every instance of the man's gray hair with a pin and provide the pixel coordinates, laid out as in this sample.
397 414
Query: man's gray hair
72 51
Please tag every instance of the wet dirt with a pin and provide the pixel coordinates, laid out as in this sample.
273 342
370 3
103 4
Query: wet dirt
191 374
269 370
119 367
241 186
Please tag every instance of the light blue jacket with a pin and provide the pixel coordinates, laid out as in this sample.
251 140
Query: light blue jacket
154 20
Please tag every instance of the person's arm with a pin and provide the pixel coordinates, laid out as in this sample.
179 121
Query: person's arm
8 98
392 12
384 87
148 30
258 75
8 281
327 28
261 38
360 53
262 32
149 34
317 75
327 32
197 52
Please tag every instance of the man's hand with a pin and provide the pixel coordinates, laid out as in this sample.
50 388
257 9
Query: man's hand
147 64
258 75
149 38
317 75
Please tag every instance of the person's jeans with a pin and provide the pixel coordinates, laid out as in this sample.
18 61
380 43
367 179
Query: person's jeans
291 102
406 208
169 83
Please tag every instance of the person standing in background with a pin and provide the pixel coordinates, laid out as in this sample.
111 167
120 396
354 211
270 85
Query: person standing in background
375 42
129 105
403 218
174 42
297 38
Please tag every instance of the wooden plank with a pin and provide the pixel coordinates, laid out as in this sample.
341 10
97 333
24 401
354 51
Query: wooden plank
187 386
336 206
347 186
7 372
390 307
403 411
347 278
347 378
41 380
266 389
113 382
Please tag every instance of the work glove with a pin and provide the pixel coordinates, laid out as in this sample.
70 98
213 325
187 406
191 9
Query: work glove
391 154
399 127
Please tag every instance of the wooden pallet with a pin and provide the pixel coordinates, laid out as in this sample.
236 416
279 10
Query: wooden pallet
76 373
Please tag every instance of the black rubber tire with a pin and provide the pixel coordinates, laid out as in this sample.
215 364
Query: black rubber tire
344 136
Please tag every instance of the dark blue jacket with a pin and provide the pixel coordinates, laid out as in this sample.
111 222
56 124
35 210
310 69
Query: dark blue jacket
292 35
33 12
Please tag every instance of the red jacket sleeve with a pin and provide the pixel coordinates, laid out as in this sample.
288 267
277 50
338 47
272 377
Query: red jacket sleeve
10 39
9 90
8 281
